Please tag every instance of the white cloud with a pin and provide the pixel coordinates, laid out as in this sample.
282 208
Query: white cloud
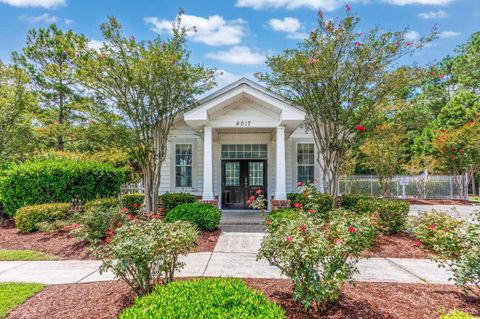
214 30
424 2
44 18
95 44
448 34
327 5
238 55
35 3
433 14
291 26
412 35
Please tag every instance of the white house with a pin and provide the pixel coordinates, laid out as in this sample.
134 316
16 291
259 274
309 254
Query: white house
239 139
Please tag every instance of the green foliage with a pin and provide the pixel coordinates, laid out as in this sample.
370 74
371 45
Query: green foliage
393 214
318 261
211 298
310 198
278 217
14 294
462 108
349 201
439 231
145 253
204 216
172 200
133 202
29 255
27 217
457 314
98 218
56 226
58 180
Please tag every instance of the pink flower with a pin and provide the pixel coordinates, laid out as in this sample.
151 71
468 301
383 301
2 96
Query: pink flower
338 241
302 228
156 216
418 243
124 210
75 226
409 43
299 184
297 205
289 238
249 202
108 240
357 44
311 61
352 230
160 209
259 192
311 211
66 228
360 128
131 217
441 76
432 226
135 205
347 8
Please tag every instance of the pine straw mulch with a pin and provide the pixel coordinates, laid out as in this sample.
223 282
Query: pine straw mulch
207 241
399 245
105 300
58 244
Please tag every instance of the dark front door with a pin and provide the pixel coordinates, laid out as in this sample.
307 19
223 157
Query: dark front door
240 180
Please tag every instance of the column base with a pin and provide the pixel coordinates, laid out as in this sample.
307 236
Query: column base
207 196
281 196
281 203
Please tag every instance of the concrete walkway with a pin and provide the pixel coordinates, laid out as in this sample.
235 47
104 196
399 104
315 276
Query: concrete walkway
234 256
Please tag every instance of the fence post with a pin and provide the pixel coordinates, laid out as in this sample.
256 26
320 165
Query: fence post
451 187
371 185
396 182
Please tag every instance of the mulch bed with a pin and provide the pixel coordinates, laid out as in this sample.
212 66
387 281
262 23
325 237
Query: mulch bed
207 240
400 245
105 300
374 300
58 244
419 201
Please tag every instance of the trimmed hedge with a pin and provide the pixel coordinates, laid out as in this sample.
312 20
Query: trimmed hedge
206 217
54 180
212 298
393 214
133 202
28 217
172 200
323 202
349 201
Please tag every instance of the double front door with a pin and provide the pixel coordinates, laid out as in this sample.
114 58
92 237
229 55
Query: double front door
240 180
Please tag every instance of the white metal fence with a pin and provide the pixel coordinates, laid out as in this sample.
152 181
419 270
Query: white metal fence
421 186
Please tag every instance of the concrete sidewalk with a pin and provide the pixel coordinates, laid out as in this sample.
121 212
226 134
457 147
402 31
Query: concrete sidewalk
234 256
458 211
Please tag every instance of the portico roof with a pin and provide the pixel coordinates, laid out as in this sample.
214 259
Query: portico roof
264 108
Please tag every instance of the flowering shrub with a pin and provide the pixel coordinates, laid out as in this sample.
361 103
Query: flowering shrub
145 253
134 202
204 298
278 216
309 198
393 214
258 201
439 231
319 256
204 216
27 218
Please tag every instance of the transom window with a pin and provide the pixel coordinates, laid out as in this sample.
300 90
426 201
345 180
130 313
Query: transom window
244 151
305 162
183 165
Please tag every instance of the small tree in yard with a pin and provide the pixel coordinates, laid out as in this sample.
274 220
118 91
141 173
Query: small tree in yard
150 84
382 150
339 76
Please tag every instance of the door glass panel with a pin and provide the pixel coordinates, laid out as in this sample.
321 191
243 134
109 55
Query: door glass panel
232 174
255 173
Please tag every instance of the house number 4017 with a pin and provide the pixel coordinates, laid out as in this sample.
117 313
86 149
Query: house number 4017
244 123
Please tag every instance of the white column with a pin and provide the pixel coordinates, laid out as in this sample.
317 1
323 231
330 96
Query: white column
207 164
280 179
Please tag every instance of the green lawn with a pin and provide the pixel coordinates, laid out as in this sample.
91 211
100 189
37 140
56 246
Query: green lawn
14 294
11 255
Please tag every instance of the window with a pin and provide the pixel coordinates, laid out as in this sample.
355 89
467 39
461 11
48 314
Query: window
244 151
183 165
305 162
232 174
255 173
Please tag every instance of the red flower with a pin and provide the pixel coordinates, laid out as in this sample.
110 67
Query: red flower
289 238
108 240
357 44
432 226
160 209
131 217
259 192
347 8
299 184
156 216
302 228
252 198
135 205
441 76
297 205
311 211
75 226
360 128
110 232
268 222
124 210
119 224
352 230
66 228
418 243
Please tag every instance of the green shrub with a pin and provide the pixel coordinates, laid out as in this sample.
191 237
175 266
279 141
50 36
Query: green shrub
349 201
99 217
28 217
439 231
133 202
145 253
54 180
318 262
276 217
204 216
55 226
456 314
212 298
393 214
172 200
310 198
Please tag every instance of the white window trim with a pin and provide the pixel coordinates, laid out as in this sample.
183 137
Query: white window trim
294 160
173 167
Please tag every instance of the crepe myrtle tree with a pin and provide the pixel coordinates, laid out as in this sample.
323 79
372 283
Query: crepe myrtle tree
339 76
149 84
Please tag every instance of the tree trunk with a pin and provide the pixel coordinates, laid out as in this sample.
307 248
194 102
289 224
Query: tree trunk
149 187
61 120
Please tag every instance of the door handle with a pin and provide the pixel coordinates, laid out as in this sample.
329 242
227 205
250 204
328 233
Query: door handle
246 182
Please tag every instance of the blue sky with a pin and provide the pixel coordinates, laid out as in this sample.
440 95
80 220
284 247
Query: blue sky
236 35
